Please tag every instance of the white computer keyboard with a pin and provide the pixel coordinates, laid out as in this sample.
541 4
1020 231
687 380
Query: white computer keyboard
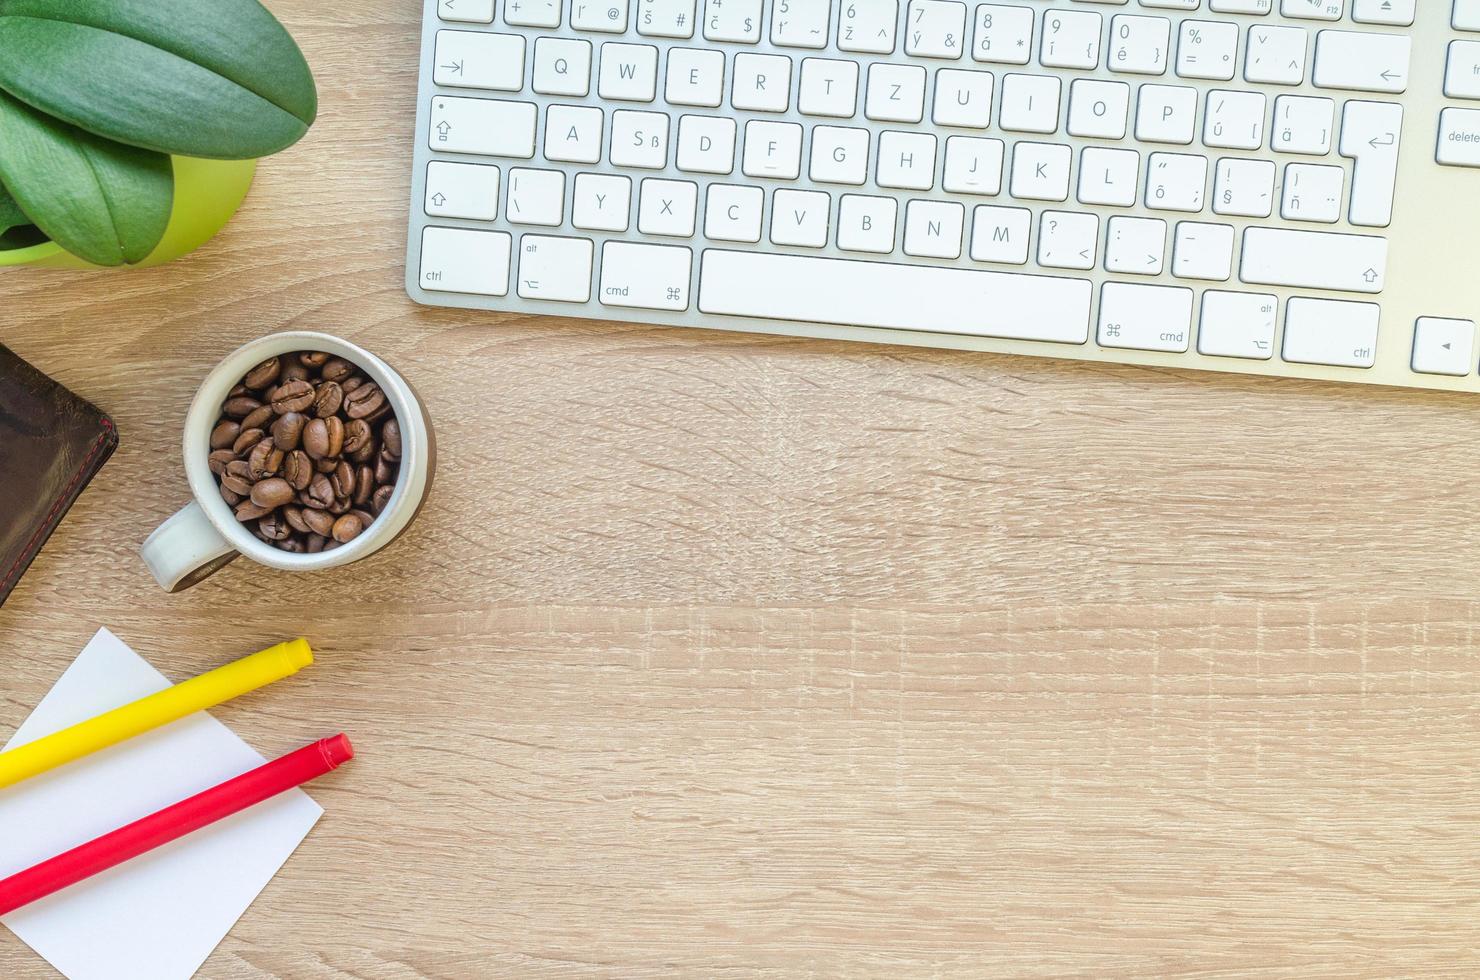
1283 187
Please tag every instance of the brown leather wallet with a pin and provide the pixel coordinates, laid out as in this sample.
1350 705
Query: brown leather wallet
51 444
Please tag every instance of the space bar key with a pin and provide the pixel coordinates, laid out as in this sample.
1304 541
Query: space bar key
899 297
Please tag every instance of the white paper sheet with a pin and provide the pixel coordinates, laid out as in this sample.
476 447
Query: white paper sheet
159 916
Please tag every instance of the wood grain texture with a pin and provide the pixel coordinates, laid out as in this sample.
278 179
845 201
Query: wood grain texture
730 656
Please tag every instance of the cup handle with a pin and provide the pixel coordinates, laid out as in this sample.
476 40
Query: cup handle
185 549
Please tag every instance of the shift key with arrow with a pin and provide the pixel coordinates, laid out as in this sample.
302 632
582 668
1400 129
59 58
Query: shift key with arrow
1370 134
475 59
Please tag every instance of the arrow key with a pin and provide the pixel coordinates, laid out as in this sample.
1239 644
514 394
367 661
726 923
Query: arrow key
462 190
1444 346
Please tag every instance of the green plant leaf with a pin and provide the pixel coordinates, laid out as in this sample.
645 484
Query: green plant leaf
222 79
101 201
11 215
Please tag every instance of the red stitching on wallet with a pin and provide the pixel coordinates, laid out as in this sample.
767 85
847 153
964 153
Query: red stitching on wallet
61 501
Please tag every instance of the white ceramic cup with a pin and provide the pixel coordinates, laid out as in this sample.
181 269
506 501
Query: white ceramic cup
205 535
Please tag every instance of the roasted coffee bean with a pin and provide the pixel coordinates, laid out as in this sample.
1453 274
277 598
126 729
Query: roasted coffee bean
237 389
347 528
249 511
272 492
297 469
293 371
320 492
260 419
239 468
364 484
315 543
341 505
225 433
390 439
288 430
364 401
274 527
292 396
323 438
263 374
327 465
318 521
240 406
356 436
344 480
265 460
245 440
365 453
336 369
366 518
385 470
313 358
293 514
218 459
229 495
327 399
381 497
351 383
291 545
237 485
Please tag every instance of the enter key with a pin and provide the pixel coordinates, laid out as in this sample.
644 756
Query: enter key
1370 135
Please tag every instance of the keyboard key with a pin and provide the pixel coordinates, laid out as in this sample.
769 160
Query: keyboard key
1370 134
536 197
828 88
868 26
1237 325
458 260
1166 114
555 268
1275 54
1000 234
1202 251
866 223
901 297
489 127
772 149
1030 103
896 93
1362 60
1257 7
800 218
604 16
839 155
652 277
667 207
1139 45
1136 245
935 29
732 20
461 190
573 133
475 59
695 77
732 213
601 202
639 139
962 98
1314 260
1466 15
1313 192
906 160
1244 187
973 165
1108 176
1176 181
531 13
1444 346
932 229
1004 34
1398 13
1071 39
1145 317
1459 138
665 18
706 144
629 72
1207 49
466 11
1328 331
1234 120
1098 109
1302 124
800 23
562 66
1040 171
1312 9
1068 240
762 83
1462 72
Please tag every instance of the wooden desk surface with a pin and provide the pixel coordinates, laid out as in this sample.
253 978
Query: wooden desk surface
726 656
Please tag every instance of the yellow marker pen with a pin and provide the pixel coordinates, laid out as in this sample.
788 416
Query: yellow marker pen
145 714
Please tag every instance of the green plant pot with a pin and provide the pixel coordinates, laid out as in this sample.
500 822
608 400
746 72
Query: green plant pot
207 194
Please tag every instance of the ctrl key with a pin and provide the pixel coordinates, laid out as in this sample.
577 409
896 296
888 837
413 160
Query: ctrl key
459 260
1330 331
